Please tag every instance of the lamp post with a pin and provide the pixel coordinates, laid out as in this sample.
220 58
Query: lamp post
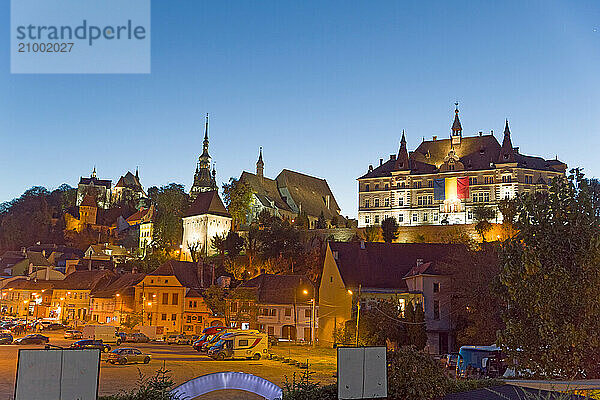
358 313
313 321
121 309
26 303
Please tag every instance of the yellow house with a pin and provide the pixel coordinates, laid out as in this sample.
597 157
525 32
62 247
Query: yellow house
23 297
71 297
115 303
162 299
370 271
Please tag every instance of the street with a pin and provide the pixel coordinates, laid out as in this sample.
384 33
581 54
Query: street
183 363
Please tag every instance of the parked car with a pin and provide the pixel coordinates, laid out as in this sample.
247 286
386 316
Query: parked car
34 338
137 337
91 344
128 355
122 335
73 334
54 327
179 339
6 338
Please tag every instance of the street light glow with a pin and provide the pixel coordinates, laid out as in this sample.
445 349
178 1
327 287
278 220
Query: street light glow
350 292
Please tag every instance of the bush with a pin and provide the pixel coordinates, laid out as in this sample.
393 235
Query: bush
157 387
302 387
414 375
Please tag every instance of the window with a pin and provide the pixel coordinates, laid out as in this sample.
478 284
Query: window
288 312
473 181
367 220
417 185
163 317
425 217
243 342
367 187
175 299
528 179
401 217
165 299
173 317
506 179
481 197
189 319
377 219
415 217
233 307
307 313
386 186
470 214
401 201
436 287
270 330
377 186
436 310
430 183
366 203
420 200
387 201
273 312
376 202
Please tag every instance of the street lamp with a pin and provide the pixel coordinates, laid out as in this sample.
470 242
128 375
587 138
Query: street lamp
26 302
312 314
121 310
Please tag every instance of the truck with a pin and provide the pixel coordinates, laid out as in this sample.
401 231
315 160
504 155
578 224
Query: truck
155 333
106 333
240 345
480 362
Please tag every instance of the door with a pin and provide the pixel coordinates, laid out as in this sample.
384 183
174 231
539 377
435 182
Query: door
443 342
288 332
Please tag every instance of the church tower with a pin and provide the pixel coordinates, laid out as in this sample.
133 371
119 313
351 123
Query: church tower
260 165
204 179
456 128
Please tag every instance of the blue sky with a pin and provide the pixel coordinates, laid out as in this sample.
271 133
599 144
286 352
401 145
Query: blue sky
325 87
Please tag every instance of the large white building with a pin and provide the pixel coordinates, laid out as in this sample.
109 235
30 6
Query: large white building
444 179
206 218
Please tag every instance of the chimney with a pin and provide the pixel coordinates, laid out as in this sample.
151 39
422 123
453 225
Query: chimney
370 167
434 138
480 133
492 132
47 273
327 201
30 268
44 253
392 157
380 162
89 264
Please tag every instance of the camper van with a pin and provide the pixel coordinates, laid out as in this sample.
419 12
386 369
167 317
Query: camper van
479 362
106 333
240 345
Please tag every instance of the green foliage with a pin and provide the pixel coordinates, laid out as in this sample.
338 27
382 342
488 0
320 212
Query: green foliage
279 238
550 281
371 233
303 387
157 387
234 244
465 385
389 228
381 324
414 375
132 320
301 221
482 215
475 305
171 202
215 298
237 197
321 222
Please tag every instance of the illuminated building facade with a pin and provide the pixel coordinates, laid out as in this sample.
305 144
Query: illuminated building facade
444 179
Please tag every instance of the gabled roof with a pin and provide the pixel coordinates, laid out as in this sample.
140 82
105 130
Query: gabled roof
207 203
138 216
279 289
30 284
186 272
422 269
124 285
309 193
89 201
87 280
265 190
129 181
37 259
384 265
95 182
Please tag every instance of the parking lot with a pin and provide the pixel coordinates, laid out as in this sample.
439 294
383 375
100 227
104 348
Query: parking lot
183 362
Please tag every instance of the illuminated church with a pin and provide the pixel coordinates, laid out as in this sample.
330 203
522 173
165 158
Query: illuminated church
204 178
444 179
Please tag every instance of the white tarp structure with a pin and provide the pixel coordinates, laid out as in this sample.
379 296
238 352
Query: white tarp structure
228 380
57 374
361 372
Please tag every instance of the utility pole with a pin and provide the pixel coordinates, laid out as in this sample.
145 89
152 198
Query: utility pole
313 321
358 313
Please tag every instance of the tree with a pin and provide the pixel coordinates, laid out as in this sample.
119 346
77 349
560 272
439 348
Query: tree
171 202
482 215
550 281
214 297
234 244
475 305
414 315
371 233
321 222
237 196
389 228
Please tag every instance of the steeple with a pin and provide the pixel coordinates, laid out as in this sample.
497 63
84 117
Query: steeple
137 173
94 172
204 178
507 153
260 165
402 162
456 126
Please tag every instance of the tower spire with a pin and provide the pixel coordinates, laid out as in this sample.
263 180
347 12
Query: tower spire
507 153
205 142
402 161
94 172
456 126
260 165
